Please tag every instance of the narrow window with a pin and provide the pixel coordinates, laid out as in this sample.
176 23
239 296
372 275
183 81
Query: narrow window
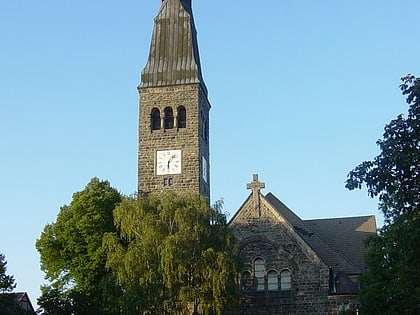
286 280
204 129
182 117
272 280
168 181
259 273
203 126
155 119
169 118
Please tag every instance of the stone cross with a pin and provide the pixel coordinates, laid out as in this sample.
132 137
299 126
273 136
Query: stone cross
256 186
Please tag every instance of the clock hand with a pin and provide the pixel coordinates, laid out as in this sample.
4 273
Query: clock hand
170 160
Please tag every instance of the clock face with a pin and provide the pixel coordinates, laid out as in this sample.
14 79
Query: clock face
168 162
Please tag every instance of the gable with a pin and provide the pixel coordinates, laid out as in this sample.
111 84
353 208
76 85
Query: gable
285 258
264 225
338 243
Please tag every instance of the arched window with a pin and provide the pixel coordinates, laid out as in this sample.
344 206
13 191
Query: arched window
155 119
182 117
169 118
259 273
272 280
246 281
286 280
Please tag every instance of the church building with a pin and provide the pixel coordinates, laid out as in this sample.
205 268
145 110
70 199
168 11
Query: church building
290 265
295 266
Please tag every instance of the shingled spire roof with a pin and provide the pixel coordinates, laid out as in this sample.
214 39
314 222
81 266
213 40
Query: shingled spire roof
173 57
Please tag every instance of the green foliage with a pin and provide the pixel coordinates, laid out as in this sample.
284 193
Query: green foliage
8 305
57 302
172 253
7 282
393 175
72 255
391 286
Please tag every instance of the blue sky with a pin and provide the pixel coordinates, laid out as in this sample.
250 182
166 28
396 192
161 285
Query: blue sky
300 92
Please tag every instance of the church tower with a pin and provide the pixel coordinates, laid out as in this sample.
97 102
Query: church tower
174 108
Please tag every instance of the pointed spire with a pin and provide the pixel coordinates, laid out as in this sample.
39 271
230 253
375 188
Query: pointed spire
173 57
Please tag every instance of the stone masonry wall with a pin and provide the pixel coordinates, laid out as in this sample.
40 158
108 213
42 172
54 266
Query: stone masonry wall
192 140
263 233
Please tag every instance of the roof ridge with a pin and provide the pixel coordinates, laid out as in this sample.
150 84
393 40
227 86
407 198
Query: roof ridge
341 218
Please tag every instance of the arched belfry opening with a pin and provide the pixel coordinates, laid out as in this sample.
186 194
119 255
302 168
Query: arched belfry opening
174 107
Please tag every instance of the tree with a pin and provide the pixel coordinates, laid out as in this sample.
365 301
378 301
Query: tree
172 254
72 255
391 286
7 282
8 305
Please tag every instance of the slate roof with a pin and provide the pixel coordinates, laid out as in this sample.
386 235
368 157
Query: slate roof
173 57
346 235
338 242
344 284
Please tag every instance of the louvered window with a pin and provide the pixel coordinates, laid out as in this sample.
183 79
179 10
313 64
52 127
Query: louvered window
155 119
169 118
182 117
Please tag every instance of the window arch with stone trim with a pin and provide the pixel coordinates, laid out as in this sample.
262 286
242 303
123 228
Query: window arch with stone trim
259 274
169 118
272 280
285 280
155 119
182 117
